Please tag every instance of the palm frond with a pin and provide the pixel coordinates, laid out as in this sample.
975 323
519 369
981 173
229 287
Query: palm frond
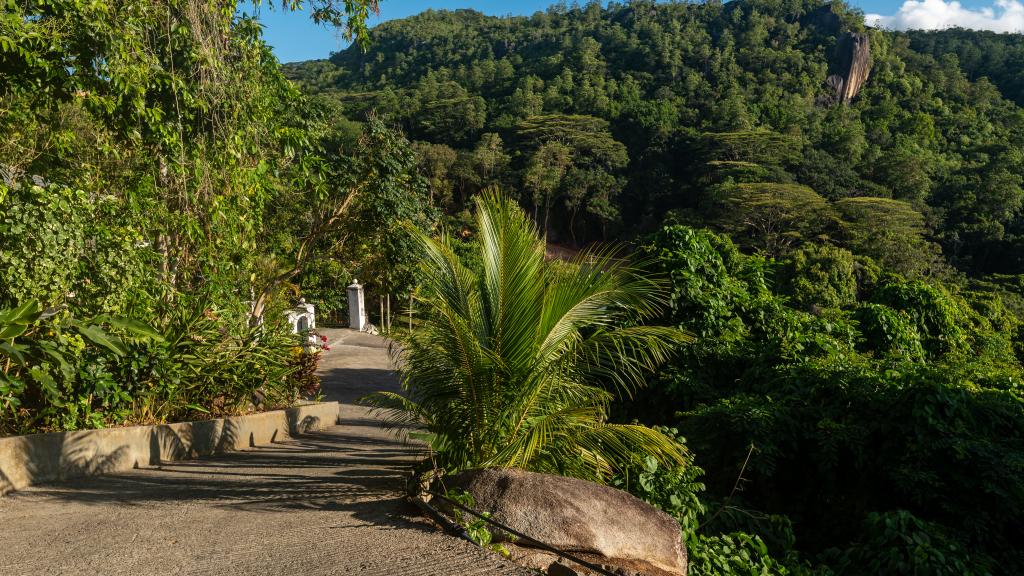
400 413
624 356
517 366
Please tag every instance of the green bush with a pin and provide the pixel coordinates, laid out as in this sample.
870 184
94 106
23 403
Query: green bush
62 248
736 554
942 320
900 543
677 491
910 401
888 332
819 276
56 373
61 373
674 489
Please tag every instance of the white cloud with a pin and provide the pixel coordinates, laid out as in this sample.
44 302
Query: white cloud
1002 16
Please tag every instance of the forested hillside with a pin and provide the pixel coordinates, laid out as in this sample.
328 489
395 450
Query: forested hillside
606 121
998 57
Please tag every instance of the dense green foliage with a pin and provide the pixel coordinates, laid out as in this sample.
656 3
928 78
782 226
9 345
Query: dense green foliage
884 417
163 188
855 390
678 491
980 54
853 402
517 365
608 118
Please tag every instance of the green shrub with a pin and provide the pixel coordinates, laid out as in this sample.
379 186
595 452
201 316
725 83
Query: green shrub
674 489
59 246
900 543
888 332
819 276
736 554
677 491
910 401
61 373
942 319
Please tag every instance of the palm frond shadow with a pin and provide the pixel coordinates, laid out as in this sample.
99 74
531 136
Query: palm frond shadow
330 472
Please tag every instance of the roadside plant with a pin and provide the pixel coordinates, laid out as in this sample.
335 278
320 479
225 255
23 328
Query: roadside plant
304 361
476 529
517 365
206 363
57 372
674 489
679 492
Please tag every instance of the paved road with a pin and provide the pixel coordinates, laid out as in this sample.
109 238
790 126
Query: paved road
326 503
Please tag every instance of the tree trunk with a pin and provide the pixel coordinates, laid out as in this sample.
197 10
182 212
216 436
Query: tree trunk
547 216
572 229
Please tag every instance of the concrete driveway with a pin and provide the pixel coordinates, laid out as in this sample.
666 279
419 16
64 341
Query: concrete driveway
325 503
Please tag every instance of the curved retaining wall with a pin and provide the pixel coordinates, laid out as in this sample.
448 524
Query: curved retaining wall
57 456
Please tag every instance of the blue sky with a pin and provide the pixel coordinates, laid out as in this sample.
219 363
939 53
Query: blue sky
294 36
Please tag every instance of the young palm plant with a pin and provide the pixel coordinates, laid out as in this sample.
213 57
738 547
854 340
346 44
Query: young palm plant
516 366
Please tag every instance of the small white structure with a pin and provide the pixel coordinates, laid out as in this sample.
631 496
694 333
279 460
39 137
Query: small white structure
356 307
302 317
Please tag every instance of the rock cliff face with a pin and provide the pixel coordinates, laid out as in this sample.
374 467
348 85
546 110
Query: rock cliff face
851 66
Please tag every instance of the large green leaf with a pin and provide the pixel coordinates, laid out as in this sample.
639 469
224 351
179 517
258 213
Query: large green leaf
24 314
10 331
15 351
100 337
15 321
140 329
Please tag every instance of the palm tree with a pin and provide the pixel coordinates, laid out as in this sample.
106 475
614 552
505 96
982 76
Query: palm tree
516 366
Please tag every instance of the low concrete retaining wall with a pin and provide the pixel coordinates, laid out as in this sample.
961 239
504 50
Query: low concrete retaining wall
38 458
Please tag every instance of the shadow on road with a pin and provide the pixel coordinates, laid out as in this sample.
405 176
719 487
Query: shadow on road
354 467
347 385
329 471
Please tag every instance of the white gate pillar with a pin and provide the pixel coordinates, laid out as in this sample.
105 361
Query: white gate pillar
356 307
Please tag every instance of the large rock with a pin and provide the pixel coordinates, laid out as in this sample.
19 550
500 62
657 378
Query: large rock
597 523
851 65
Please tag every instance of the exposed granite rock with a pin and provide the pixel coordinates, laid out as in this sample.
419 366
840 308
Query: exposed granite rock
851 66
597 523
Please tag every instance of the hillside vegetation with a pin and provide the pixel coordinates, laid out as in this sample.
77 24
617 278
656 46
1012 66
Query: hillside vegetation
606 120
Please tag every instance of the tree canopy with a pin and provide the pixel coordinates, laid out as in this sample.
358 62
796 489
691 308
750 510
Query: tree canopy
698 94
